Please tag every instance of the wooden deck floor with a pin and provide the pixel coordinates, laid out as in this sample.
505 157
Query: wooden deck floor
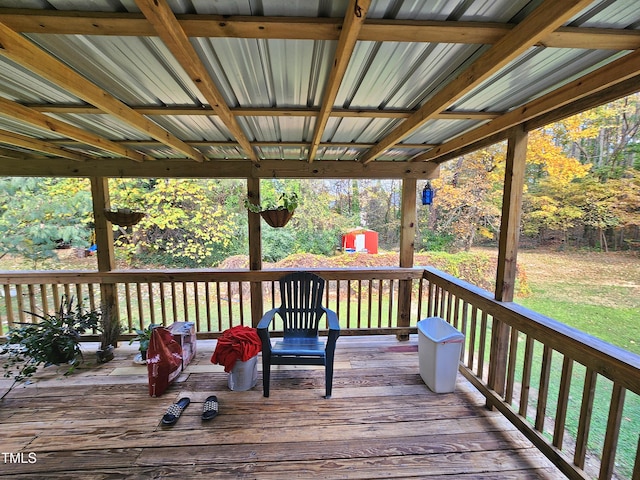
382 422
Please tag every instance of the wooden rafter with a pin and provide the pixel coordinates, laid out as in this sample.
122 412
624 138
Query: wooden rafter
21 51
304 28
169 30
265 144
549 15
353 20
32 117
601 79
22 141
610 94
267 112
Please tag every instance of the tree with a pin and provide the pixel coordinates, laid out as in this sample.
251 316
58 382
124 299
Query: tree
552 201
185 225
468 196
39 214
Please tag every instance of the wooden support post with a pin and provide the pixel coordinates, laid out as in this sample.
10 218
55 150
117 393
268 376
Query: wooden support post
255 250
407 240
106 261
507 252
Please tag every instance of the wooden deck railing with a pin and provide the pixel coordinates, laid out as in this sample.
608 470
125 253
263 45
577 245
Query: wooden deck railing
366 300
555 377
540 375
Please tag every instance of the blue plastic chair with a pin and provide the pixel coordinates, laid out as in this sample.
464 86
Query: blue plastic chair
300 312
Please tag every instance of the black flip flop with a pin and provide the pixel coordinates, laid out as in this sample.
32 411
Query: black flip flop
174 411
210 408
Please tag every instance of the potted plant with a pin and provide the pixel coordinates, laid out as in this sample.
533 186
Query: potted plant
144 337
276 214
55 340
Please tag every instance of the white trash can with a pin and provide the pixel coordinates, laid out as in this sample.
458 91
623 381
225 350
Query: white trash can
439 348
244 375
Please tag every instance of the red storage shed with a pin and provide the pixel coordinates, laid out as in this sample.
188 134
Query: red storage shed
360 240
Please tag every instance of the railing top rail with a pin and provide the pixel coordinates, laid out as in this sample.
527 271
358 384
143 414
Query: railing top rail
613 362
199 275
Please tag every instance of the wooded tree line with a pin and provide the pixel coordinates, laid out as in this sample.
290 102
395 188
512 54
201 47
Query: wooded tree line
582 188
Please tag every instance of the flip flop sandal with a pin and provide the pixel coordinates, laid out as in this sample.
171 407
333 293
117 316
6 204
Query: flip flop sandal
174 411
210 408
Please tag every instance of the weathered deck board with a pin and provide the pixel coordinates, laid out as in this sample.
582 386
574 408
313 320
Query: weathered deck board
382 422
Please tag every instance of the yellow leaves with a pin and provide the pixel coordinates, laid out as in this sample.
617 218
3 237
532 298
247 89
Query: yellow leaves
559 168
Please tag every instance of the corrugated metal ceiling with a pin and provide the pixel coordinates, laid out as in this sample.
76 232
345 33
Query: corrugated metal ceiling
279 73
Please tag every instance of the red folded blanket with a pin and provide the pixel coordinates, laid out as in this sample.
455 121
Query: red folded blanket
236 343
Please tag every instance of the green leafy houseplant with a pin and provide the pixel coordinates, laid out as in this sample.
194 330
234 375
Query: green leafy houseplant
144 336
55 340
277 213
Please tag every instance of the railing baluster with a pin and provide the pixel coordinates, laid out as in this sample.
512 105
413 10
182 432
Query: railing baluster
196 302
32 299
392 291
9 306
483 343
185 302
563 402
612 432
380 295
56 297
207 294
152 308
229 306
174 301
140 305
241 302
472 338
219 303
463 329
543 389
92 297
348 303
127 295
359 306
584 424
526 377
369 302
163 303
20 300
511 366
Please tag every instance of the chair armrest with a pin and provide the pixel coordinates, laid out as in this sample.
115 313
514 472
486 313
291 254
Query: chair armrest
332 319
266 319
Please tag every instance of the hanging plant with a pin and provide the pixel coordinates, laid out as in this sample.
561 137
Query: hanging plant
276 214
124 217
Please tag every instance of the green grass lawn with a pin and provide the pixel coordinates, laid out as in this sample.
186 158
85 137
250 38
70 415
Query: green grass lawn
598 294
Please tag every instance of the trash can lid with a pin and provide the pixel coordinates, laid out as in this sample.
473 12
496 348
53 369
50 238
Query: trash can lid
439 331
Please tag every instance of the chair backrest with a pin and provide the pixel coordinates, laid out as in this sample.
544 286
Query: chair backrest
301 309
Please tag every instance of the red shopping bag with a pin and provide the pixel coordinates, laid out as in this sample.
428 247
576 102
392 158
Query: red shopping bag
164 360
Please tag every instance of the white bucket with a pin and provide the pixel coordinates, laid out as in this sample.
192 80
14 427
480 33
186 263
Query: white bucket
244 375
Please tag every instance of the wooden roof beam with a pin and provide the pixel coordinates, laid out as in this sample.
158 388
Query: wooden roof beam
549 15
601 79
39 166
267 112
28 143
304 28
21 51
169 30
353 20
40 120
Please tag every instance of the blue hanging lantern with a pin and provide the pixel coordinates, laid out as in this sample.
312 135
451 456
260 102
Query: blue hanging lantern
427 194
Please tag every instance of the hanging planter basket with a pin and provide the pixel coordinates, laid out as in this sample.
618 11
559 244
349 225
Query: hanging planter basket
123 217
277 218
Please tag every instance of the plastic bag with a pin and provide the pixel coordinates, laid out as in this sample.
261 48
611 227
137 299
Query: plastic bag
164 361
